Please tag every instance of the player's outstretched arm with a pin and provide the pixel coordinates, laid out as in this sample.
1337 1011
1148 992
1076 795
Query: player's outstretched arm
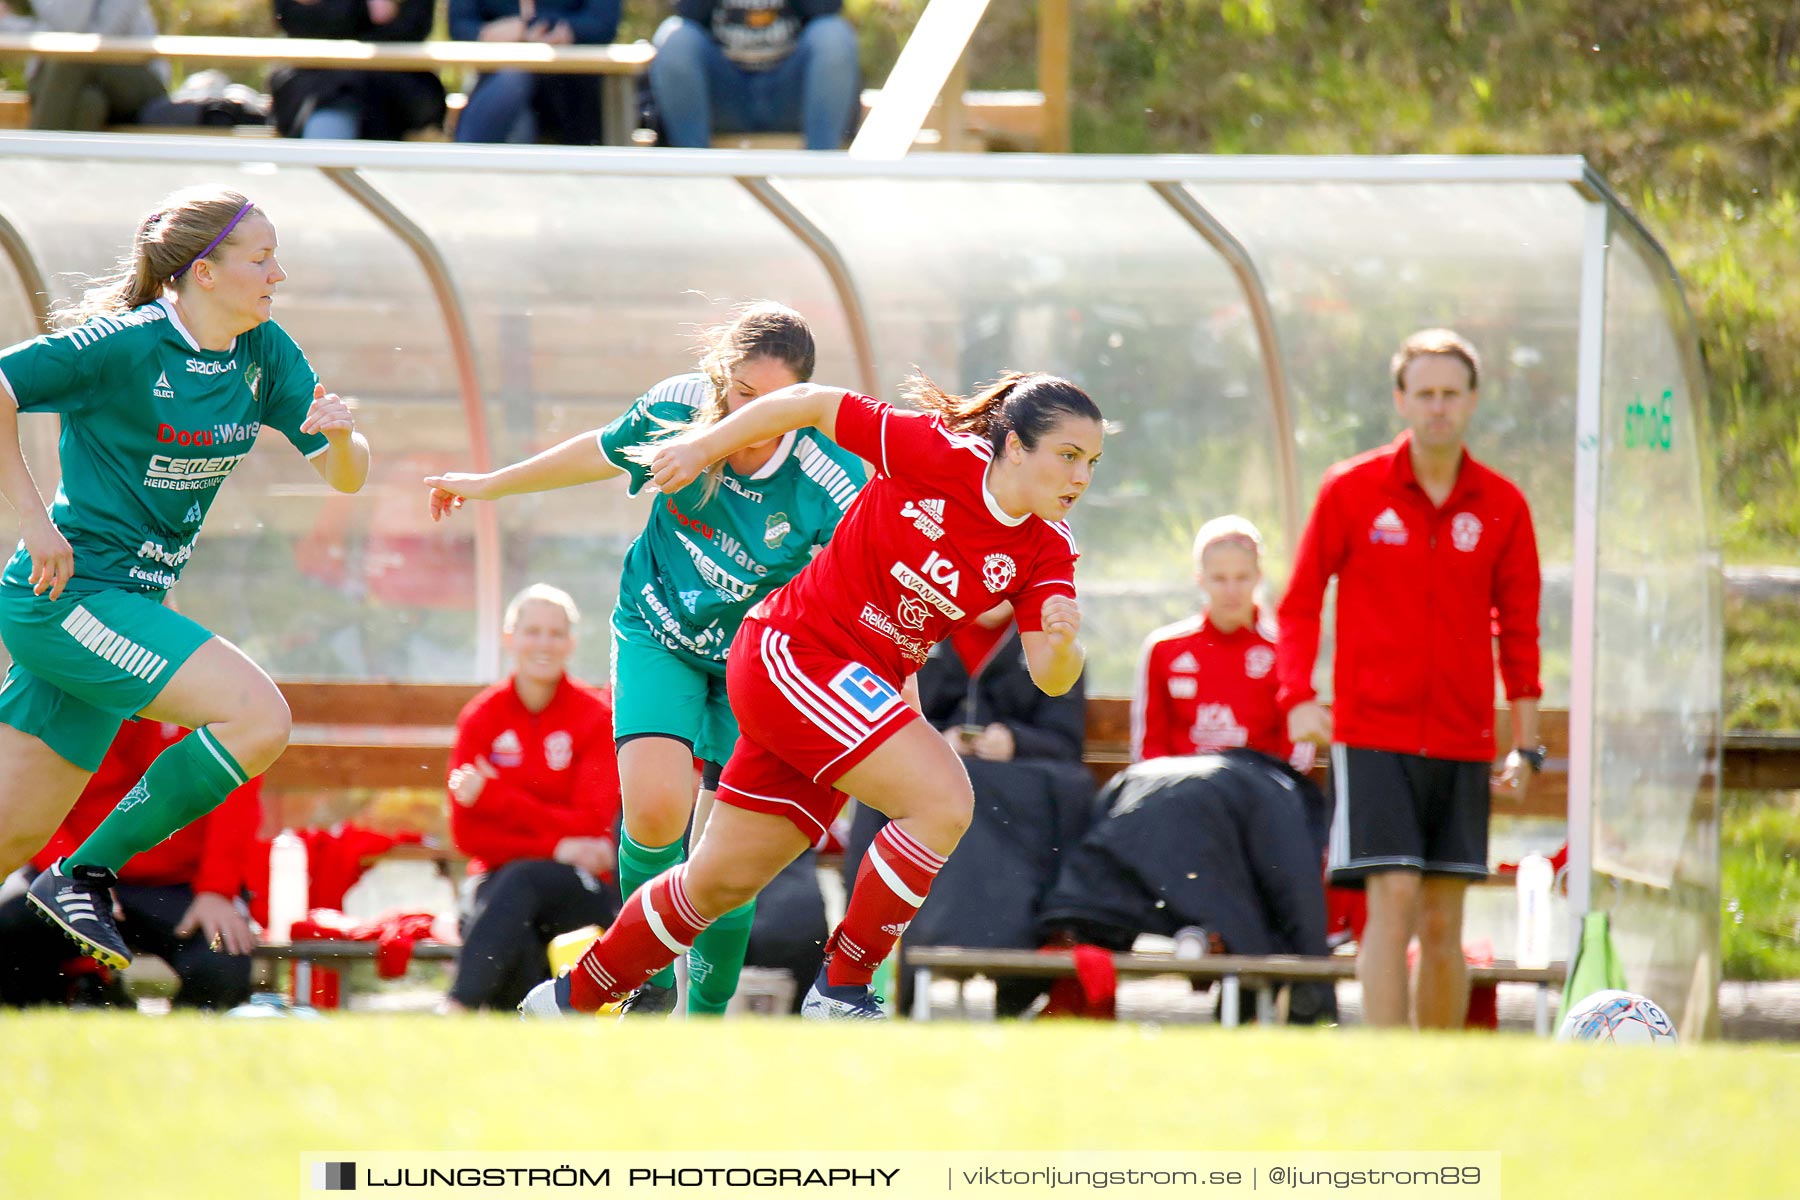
573 462
52 558
345 463
1054 654
679 461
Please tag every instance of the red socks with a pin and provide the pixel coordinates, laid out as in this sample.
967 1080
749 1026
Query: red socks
656 926
895 876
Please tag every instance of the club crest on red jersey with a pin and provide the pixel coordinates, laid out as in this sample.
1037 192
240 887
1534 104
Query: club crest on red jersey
559 750
1465 531
997 570
1258 661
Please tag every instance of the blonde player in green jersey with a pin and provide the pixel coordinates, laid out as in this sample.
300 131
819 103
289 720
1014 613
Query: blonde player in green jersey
707 554
163 375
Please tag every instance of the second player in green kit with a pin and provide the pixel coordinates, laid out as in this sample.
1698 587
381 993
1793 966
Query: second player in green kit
706 555
163 377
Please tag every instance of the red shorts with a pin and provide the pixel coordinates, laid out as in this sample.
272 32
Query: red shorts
805 717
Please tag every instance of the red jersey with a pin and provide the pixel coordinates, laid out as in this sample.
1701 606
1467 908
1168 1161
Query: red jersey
1423 591
1200 690
924 549
557 776
210 855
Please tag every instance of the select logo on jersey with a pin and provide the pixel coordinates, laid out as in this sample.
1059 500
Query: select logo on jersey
1388 529
161 389
197 366
998 570
1465 531
938 570
927 517
689 599
193 514
872 695
1258 661
507 750
188 474
1216 727
912 612
778 528
559 750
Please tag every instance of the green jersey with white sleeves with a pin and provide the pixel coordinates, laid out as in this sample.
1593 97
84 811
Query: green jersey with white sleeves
151 426
699 566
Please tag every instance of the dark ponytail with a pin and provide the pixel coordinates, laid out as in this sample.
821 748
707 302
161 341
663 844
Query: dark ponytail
1026 404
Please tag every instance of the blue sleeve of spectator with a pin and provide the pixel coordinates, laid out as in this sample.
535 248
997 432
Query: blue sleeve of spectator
595 22
466 20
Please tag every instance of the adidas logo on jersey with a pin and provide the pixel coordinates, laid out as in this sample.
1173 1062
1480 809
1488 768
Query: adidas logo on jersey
162 390
927 517
1185 662
1388 530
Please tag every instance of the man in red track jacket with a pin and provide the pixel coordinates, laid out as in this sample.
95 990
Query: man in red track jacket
179 898
1435 557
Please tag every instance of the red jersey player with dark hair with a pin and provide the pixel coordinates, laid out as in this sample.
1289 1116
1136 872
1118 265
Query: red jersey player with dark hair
1208 683
966 509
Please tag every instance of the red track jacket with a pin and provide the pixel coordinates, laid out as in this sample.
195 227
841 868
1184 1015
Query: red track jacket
1423 591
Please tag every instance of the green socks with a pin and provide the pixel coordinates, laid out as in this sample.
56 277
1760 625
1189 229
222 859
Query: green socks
638 865
716 960
187 781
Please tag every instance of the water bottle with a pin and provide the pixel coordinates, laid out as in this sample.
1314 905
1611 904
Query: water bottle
1191 942
287 885
1534 932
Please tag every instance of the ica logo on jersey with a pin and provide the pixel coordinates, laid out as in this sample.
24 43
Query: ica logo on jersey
937 572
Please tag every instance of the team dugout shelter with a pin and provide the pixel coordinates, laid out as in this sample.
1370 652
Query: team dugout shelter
1233 315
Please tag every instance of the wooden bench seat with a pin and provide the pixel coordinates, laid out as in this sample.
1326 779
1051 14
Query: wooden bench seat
1234 971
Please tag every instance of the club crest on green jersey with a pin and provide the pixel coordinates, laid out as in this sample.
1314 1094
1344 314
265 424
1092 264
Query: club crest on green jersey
778 528
253 378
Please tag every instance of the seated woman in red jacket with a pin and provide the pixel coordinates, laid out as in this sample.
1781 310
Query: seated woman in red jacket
180 899
1207 683
534 799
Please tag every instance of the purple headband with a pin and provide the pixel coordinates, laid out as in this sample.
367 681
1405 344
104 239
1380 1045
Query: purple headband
214 244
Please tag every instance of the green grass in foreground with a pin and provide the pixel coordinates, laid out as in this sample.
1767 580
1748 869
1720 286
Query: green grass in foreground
195 1107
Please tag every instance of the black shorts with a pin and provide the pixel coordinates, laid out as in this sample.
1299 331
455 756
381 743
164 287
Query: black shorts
1403 812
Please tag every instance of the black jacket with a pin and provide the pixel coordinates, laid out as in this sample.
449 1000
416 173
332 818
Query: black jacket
1233 843
1042 726
394 103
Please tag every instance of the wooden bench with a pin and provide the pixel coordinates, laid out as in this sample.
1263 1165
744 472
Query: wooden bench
1234 972
303 956
618 66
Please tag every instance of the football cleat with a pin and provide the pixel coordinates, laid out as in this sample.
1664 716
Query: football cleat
549 1000
79 902
649 1000
845 1002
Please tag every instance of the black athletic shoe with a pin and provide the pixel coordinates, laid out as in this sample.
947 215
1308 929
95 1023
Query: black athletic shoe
650 1000
80 904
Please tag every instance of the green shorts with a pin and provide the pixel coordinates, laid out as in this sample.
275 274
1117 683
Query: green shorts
659 691
82 664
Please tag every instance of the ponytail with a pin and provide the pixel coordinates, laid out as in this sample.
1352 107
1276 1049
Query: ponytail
1018 402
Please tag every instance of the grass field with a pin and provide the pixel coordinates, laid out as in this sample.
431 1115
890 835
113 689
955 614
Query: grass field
195 1107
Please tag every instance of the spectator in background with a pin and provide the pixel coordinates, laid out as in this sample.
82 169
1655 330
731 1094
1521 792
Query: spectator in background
1434 555
520 106
754 66
1207 683
385 105
534 799
70 94
181 900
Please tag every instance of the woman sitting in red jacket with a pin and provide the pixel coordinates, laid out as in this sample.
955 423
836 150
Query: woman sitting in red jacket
534 800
